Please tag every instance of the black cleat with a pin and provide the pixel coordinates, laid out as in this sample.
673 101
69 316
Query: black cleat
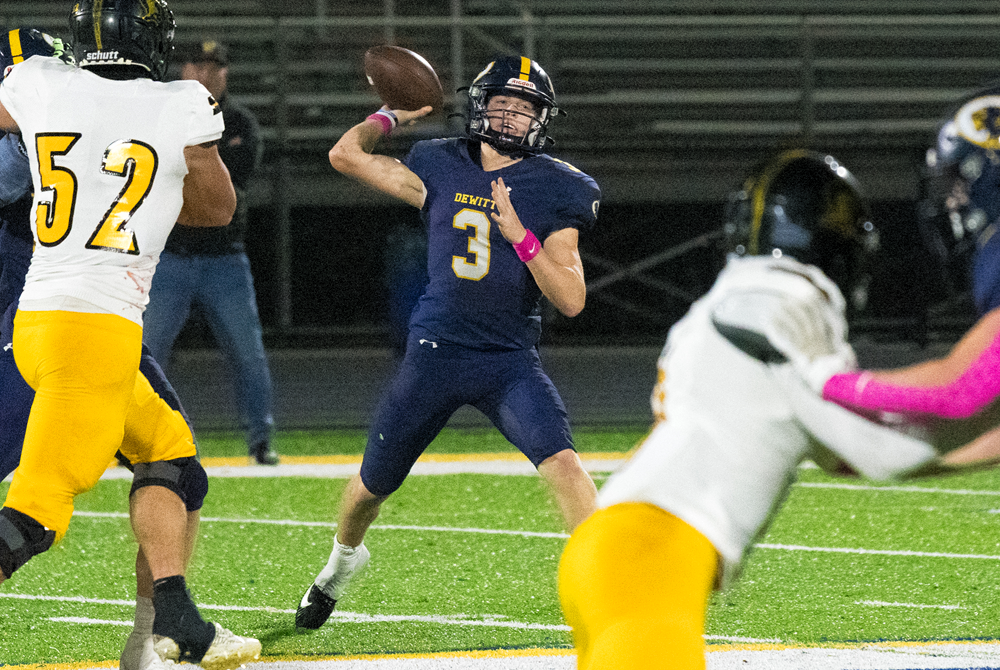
264 454
315 608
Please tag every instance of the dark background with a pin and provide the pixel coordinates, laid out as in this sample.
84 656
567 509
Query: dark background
340 294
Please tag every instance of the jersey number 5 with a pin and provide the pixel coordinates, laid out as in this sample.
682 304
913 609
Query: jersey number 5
132 160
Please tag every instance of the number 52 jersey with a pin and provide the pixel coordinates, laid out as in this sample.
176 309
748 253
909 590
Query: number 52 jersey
107 163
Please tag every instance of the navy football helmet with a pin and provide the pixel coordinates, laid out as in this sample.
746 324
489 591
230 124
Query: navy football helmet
960 206
22 43
123 33
809 206
517 76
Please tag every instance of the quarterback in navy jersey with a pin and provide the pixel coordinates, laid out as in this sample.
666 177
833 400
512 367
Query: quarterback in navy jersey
487 299
503 223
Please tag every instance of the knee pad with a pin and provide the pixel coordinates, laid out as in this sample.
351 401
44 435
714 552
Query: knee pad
21 537
184 476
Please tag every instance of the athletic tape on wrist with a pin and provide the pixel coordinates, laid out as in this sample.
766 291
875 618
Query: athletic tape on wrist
386 118
973 390
528 248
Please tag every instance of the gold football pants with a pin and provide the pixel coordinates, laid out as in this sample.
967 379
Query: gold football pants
634 582
90 401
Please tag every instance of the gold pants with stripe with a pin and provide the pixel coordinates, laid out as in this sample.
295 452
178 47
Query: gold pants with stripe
90 401
634 582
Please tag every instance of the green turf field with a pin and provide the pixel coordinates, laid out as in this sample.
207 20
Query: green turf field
450 441
469 562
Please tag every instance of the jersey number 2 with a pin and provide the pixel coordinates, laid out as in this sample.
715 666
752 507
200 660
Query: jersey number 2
132 160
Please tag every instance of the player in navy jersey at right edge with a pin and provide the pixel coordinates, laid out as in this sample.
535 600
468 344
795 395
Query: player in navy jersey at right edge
503 223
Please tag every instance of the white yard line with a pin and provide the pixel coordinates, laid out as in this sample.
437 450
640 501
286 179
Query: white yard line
895 489
559 536
877 552
879 603
491 621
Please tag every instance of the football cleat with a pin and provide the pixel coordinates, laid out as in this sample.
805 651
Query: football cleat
343 567
315 608
228 650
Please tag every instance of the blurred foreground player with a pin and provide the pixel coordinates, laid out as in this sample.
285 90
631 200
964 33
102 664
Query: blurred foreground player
87 286
503 221
736 413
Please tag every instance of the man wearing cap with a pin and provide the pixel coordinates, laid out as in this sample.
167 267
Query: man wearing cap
211 268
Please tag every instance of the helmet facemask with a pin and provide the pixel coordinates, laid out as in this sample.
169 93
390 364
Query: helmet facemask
518 129
513 123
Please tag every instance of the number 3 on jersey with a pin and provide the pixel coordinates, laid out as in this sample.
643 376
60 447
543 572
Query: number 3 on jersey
479 245
134 161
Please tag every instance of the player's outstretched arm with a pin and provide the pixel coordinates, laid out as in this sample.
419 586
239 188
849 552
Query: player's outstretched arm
556 265
209 196
352 155
957 386
983 452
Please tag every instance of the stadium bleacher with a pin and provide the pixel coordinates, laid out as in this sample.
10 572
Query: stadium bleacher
671 96
669 102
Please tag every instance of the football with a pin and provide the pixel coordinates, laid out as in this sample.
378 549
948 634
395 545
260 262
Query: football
403 79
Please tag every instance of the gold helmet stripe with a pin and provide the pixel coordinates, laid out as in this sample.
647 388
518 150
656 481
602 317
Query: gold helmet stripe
16 51
525 68
96 13
757 188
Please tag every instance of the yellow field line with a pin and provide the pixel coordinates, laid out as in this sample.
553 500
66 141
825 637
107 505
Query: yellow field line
523 653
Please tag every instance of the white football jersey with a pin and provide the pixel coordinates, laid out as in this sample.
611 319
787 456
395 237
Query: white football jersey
107 162
732 429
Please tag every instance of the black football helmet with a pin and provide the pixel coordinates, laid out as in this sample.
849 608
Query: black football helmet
123 32
513 75
809 206
960 205
22 43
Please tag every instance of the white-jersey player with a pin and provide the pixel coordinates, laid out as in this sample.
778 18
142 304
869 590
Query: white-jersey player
116 158
738 407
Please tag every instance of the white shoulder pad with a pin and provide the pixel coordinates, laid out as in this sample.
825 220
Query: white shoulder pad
778 311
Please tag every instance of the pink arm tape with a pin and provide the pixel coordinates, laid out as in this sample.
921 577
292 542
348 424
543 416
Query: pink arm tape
974 389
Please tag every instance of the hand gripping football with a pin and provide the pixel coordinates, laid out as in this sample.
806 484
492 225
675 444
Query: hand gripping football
403 79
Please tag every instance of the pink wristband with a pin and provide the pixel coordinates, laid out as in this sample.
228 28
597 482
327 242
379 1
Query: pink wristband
387 119
529 247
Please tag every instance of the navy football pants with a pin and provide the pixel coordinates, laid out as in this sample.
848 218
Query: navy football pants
434 380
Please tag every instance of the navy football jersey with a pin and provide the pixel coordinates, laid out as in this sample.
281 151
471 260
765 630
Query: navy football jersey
480 294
